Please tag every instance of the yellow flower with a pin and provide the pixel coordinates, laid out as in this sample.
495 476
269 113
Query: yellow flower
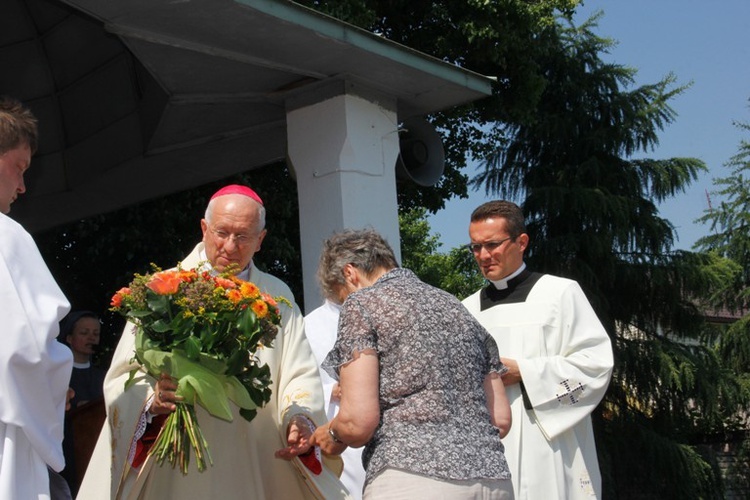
249 290
260 308
234 296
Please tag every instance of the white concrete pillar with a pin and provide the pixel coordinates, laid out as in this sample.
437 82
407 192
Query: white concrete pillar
342 145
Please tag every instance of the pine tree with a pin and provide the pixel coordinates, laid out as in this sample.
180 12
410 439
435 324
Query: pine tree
730 238
592 216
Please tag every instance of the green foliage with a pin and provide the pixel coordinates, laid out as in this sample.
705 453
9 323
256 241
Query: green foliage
455 272
592 216
500 38
730 238
730 225
666 469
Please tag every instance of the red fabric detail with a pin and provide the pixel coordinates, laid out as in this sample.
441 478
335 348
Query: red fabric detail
143 445
237 189
312 462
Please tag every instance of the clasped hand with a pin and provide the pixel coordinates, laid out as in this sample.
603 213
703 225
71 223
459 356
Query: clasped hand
298 435
164 396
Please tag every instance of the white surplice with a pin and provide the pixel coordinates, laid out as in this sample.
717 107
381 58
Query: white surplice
321 328
34 367
565 359
244 466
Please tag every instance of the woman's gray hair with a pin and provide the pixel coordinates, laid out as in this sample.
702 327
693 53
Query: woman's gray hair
365 249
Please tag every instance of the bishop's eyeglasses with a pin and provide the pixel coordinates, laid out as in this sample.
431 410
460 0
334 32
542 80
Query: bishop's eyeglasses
239 239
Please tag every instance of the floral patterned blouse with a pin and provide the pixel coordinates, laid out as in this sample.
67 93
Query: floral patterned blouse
433 357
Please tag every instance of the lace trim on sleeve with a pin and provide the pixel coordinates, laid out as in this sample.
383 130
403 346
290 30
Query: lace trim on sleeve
140 428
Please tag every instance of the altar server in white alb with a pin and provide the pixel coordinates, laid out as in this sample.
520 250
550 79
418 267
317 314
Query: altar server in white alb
321 327
558 354
34 367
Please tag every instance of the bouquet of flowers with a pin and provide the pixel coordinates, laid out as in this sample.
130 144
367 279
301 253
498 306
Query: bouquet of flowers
202 330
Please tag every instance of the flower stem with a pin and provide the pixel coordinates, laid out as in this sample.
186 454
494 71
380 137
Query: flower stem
179 434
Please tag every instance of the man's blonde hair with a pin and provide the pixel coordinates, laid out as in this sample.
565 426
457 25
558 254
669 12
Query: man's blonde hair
18 125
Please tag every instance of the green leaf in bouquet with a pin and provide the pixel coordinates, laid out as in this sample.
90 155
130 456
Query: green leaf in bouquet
160 304
236 362
255 336
156 362
182 323
131 378
160 326
192 347
213 391
134 313
247 321
219 335
248 415
237 392
257 381
204 332
213 363
206 389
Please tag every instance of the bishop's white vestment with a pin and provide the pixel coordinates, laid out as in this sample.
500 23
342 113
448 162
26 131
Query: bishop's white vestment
244 466
565 359
34 367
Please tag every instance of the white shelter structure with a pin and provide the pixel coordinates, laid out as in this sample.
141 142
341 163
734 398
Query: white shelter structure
142 98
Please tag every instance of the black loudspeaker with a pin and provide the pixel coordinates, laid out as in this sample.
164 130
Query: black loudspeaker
422 158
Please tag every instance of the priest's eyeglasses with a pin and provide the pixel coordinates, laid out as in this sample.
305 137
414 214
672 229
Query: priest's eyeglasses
490 246
239 239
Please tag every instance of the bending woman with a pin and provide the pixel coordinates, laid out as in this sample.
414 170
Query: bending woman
419 380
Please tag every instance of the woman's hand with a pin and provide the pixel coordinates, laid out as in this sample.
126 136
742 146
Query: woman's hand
513 375
322 438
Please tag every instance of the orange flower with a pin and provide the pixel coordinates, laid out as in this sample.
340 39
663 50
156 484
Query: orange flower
165 283
260 308
224 283
234 296
271 301
249 290
117 297
187 276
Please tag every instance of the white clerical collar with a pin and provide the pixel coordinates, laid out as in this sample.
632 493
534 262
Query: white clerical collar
503 283
82 366
243 275
332 306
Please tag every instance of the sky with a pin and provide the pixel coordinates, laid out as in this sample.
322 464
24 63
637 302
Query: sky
702 42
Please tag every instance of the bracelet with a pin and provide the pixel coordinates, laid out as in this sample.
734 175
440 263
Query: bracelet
334 436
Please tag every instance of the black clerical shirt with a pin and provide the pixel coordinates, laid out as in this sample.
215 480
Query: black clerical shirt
518 289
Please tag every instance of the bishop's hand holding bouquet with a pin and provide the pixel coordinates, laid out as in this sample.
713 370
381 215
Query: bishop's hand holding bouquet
202 330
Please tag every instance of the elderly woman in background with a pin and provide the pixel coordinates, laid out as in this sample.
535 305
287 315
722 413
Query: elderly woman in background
419 380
